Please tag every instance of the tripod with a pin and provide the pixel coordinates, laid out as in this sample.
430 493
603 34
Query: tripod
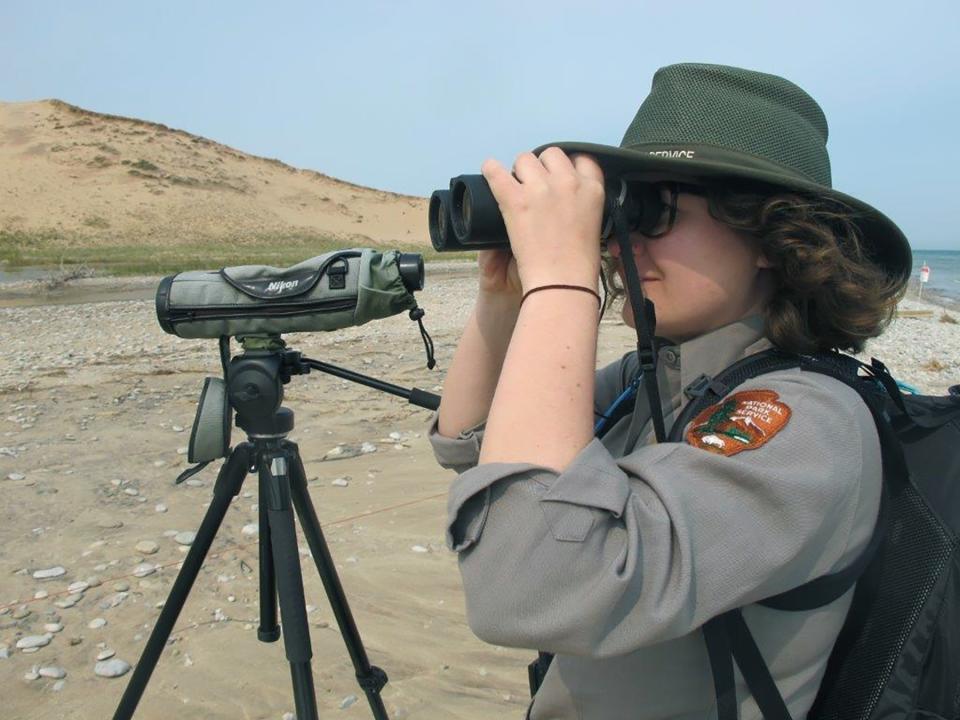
255 391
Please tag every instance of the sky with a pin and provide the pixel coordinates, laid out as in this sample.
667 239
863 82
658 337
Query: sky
403 95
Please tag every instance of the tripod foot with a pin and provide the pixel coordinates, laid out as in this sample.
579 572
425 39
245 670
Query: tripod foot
271 635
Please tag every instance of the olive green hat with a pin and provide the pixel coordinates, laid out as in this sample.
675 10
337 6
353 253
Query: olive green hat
717 122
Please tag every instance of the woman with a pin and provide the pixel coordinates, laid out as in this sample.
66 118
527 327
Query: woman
613 552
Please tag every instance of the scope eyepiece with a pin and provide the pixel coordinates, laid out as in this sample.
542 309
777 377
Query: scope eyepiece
411 270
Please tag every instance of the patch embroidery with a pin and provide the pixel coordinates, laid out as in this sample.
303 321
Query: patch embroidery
744 421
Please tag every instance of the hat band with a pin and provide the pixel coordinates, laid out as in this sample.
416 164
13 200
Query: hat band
722 161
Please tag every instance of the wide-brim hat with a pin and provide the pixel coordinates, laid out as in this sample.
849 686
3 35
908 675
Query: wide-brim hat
714 122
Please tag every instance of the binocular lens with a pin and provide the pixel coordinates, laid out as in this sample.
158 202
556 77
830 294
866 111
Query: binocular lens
441 226
466 217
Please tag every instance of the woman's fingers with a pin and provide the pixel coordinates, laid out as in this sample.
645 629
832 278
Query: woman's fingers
498 178
588 167
528 168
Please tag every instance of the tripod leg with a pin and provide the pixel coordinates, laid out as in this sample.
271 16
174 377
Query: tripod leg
371 678
269 630
229 481
274 464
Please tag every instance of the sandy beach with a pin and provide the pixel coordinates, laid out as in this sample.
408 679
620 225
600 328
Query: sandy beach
98 403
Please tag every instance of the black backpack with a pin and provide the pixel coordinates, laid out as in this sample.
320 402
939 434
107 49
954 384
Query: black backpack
898 654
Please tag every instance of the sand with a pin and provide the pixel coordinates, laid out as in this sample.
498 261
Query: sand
97 408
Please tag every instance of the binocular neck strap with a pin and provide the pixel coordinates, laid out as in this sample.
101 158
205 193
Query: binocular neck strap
645 320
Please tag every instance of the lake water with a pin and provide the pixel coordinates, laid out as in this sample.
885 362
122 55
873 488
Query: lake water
944 273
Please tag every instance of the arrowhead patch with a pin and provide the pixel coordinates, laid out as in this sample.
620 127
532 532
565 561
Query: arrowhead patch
744 421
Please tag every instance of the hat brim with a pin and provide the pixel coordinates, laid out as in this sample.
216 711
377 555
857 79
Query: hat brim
887 244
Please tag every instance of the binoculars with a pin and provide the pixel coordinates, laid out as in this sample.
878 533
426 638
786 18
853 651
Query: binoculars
467 217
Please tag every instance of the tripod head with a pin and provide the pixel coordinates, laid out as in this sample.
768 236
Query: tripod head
252 386
255 381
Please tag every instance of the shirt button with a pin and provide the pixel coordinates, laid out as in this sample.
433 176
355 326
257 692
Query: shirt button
671 356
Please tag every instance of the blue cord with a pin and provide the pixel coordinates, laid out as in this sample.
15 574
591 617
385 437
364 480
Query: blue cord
622 398
909 388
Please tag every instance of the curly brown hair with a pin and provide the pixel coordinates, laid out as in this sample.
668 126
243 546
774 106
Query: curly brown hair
829 293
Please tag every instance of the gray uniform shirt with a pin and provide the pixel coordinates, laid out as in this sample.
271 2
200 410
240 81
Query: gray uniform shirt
615 563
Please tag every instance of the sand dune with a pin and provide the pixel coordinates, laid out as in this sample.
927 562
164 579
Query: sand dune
91 178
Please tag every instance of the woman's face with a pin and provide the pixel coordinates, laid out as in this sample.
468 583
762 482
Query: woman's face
701 275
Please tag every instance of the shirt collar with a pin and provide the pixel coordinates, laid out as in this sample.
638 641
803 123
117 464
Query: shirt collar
710 353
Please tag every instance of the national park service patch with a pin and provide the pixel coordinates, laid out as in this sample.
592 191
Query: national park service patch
744 421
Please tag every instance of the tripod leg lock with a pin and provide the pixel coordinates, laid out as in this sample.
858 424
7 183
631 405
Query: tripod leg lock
373 681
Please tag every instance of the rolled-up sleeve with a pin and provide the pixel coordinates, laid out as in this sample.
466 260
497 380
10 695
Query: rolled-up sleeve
613 554
460 453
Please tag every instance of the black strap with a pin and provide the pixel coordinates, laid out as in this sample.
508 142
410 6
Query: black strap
537 670
645 319
753 668
721 667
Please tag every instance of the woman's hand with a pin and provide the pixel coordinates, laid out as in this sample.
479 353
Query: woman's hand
498 274
552 209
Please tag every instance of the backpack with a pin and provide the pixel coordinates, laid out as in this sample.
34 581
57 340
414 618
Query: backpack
898 654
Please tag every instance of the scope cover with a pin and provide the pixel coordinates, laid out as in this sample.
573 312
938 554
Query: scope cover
326 292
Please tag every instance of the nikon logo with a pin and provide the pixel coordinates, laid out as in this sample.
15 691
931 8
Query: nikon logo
688 154
281 285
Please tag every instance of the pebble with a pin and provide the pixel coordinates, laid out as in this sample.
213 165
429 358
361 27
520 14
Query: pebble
94 581
144 569
347 701
34 641
53 572
340 482
111 668
21 612
185 538
52 627
31 675
109 524
16 476
160 508
40 594
4 652
113 600
77 587
131 491
146 547
195 482
96 623
75 640
121 586
419 549
251 529
69 601
52 671
59 685
105 654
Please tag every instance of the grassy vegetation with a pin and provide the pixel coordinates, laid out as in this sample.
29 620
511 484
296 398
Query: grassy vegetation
52 250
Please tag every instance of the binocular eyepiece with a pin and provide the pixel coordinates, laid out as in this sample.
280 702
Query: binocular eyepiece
467 216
